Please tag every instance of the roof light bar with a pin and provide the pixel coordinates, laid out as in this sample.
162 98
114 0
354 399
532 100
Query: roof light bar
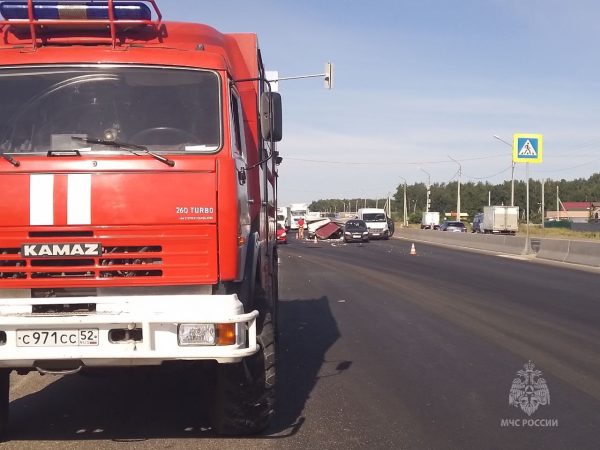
75 10
73 21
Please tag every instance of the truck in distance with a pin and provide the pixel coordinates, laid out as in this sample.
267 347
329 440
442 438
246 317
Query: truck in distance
430 220
377 222
295 212
500 220
139 163
282 217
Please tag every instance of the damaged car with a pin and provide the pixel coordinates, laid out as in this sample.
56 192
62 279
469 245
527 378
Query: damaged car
356 231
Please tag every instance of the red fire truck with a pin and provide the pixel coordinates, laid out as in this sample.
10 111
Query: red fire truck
138 172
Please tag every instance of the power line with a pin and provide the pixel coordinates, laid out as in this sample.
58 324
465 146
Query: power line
490 176
562 169
367 163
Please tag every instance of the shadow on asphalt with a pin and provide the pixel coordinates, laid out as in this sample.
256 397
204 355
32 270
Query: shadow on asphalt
307 330
174 402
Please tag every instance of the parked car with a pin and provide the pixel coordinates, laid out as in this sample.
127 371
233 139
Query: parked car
457 227
477 223
356 230
281 234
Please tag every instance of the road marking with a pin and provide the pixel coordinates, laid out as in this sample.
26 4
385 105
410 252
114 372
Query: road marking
518 257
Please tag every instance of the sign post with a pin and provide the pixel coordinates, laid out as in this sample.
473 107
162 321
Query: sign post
527 148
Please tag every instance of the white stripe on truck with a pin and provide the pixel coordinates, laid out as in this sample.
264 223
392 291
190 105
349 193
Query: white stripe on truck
79 199
41 199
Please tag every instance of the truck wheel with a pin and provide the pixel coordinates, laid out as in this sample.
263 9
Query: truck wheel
4 401
245 391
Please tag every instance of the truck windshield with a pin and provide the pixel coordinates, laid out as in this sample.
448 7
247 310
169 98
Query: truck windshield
162 109
374 217
298 213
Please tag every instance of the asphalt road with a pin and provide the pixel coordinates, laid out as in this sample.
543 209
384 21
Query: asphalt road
378 349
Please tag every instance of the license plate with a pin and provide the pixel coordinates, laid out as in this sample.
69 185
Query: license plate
356 236
57 338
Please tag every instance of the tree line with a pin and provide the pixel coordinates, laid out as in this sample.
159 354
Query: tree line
474 196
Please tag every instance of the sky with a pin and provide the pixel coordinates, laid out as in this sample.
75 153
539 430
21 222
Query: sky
421 82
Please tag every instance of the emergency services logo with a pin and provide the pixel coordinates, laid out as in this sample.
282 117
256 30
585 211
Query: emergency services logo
529 390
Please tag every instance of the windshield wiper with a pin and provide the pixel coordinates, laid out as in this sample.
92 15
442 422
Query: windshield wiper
131 148
10 159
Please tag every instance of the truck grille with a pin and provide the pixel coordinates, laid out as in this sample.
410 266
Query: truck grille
115 262
174 256
11 257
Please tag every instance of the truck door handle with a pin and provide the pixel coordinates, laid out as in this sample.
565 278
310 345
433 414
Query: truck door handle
242 176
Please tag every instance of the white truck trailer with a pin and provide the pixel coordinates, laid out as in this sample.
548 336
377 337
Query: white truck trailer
282 217
500 219
430 220
295 211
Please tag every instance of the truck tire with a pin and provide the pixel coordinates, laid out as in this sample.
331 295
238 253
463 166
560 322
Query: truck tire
245 392
4 402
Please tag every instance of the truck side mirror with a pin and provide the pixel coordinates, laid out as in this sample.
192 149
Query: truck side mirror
271 118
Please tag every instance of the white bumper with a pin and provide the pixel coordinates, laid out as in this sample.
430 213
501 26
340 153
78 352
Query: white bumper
378 232
157 315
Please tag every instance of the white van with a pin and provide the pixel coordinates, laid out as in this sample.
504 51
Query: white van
295 211
376 221
282 217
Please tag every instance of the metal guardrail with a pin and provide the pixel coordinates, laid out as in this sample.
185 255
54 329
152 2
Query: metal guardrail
580 252
515 245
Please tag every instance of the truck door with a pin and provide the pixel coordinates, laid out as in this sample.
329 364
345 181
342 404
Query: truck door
240 156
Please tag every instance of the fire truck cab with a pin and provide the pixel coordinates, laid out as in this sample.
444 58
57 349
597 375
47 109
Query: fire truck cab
138 166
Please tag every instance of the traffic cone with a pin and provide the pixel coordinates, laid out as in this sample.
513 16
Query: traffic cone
413 251
315 240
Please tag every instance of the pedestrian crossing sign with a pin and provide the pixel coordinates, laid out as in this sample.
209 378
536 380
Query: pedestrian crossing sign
527 148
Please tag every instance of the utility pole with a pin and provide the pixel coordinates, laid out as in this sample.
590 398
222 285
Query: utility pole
404 209
428 189
458 190
388 205
512 182
512 186
543 201
527 176
557 206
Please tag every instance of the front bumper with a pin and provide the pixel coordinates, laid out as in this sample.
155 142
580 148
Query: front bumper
158 316
378 233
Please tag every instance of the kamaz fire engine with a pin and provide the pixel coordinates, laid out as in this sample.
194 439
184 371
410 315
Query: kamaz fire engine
138 174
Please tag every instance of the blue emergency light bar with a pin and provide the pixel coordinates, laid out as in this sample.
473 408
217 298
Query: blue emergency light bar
75 10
